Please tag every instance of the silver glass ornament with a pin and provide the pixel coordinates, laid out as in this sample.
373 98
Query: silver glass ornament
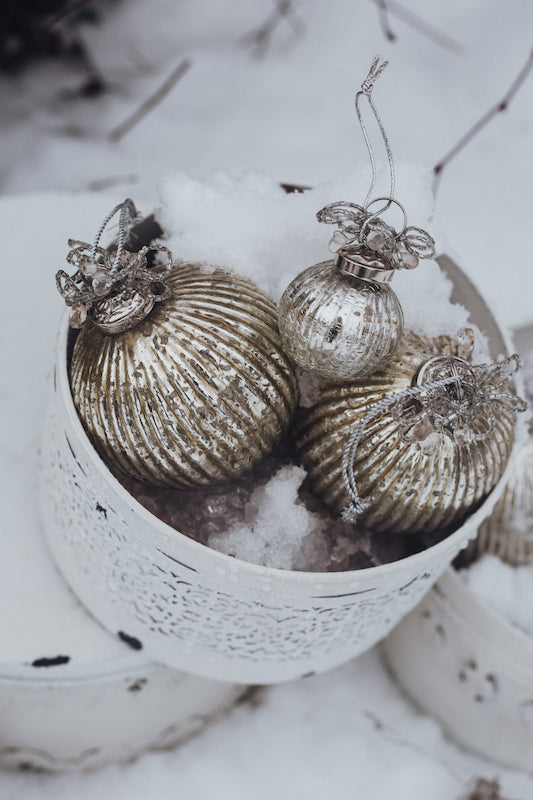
343 321
337 324
196 392
413 474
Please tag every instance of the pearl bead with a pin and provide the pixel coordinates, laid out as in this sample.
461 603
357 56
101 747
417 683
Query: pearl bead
101 283
375 240
77 315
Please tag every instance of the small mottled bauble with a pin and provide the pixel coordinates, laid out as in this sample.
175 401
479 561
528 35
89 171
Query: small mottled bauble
338 325
410 489
508 532
197 392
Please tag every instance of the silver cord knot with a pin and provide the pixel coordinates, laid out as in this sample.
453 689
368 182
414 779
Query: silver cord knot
376 68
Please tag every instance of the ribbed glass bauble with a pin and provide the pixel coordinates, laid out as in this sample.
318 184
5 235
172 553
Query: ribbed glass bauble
338 325
410 488
197 392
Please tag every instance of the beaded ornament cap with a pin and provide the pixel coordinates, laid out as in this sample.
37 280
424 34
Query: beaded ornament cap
450 397
362 231
112 287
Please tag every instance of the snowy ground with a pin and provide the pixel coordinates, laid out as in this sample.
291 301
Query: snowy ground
287 113
348 734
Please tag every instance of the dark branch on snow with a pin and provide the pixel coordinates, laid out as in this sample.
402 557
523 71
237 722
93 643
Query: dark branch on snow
125 127
502 105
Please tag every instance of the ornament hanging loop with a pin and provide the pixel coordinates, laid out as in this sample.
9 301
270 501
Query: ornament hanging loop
362 233
367 86
128 214
376 216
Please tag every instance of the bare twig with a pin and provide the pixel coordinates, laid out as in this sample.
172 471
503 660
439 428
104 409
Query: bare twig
66 12
424 28
125 127
100 184
294 188
503 105
383 16
484 790
260 38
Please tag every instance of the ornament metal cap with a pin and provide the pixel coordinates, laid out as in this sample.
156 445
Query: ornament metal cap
364 265
113 288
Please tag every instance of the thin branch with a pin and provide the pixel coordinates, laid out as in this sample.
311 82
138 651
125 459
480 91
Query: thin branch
125 127
260 38
100 184
425 28
503 105
294 188
66 12
383 16
438 37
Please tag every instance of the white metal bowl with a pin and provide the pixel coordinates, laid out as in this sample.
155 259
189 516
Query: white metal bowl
471 669
202 611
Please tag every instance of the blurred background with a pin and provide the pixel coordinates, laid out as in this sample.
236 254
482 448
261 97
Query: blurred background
115 95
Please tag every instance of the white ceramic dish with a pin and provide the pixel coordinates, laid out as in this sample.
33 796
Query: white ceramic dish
71 723
201 611
471 669
466 665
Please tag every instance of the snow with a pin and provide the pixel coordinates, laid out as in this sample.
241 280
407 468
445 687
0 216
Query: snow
272 512
32 628
505 589
249 224
342 735
236 120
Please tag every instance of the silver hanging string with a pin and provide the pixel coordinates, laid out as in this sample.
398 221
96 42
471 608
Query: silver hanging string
357 506
128 213
358 226
376 68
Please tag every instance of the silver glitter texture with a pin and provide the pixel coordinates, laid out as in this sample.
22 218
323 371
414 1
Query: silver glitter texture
339 326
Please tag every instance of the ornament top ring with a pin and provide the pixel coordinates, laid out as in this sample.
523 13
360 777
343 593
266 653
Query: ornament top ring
340 319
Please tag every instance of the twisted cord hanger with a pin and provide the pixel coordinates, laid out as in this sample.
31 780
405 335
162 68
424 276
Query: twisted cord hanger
376 68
